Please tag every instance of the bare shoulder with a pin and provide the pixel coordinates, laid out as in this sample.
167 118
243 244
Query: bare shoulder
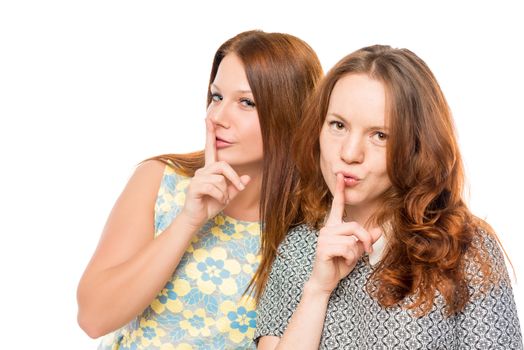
142 188
130 224
149 172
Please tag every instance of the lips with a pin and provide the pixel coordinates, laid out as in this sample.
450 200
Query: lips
350 180
222 140
222 143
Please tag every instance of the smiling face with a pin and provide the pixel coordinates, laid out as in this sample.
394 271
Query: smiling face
233 112
353 142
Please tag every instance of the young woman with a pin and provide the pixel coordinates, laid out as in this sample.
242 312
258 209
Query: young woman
391 257
181 243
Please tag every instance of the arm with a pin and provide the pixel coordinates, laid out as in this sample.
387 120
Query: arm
285 286
305 327
129 266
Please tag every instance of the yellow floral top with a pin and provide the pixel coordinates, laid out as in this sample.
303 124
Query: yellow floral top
201 307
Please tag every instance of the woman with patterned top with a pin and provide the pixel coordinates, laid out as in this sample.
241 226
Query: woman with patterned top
390 256
182 242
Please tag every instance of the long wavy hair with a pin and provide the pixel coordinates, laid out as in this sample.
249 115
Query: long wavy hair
429 229
282 72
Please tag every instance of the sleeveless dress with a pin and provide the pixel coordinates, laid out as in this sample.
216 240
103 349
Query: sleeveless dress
201 306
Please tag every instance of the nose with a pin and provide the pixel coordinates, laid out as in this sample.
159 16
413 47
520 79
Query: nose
353 149
218 113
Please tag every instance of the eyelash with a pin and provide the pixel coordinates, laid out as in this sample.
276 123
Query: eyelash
215 95
246 102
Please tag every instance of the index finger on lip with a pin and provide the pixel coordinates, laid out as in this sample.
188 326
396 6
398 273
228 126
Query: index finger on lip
337 206
210 152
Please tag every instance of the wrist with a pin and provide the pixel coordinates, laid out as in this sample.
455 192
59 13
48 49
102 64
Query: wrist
315 291
188 222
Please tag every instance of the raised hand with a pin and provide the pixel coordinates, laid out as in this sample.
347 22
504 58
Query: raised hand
213 186
340 244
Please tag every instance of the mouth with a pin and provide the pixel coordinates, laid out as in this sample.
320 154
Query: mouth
350 180
222 143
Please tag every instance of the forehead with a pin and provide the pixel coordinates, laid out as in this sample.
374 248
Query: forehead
358 96
231 73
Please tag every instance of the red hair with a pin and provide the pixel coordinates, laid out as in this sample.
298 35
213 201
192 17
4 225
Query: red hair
430 231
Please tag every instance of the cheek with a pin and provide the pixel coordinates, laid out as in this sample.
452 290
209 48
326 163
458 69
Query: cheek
252 133
380 170
328 150
257 136
253 136
325 166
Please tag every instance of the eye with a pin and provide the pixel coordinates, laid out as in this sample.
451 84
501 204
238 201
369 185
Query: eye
246 102
215 97
336 125
380 136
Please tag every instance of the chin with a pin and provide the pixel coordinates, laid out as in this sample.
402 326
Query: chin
353 200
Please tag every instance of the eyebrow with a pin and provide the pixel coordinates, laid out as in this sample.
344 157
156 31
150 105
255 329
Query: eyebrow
336 115
240 91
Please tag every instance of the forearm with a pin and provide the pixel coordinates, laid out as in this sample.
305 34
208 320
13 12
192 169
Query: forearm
305 327
110 298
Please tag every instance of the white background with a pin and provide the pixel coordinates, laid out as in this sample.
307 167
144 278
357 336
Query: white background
89 89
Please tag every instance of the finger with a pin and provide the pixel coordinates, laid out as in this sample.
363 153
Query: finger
364 238
233 190
211 190
350 253
354 254
229 173
352 229
332 243
375 233
349 242
337 206
219 181
206 177
210 152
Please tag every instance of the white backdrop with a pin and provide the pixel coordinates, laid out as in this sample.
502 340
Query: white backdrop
89 89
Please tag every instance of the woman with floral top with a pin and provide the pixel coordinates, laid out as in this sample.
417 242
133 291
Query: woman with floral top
181 244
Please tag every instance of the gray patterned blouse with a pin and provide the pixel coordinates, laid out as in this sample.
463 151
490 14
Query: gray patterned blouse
354 320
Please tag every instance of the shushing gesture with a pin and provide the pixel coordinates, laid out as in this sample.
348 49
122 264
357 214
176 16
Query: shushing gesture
340 244
213 186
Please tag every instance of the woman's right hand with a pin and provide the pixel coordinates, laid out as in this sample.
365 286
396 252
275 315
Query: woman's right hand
213 186
340 245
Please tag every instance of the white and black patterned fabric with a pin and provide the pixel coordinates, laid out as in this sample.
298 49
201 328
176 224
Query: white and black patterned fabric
354 320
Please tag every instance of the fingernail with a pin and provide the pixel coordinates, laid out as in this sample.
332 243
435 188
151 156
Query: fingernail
241 186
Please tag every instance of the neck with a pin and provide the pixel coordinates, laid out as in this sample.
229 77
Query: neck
246 205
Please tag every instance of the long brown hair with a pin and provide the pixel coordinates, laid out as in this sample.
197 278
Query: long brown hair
430 230
282 71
